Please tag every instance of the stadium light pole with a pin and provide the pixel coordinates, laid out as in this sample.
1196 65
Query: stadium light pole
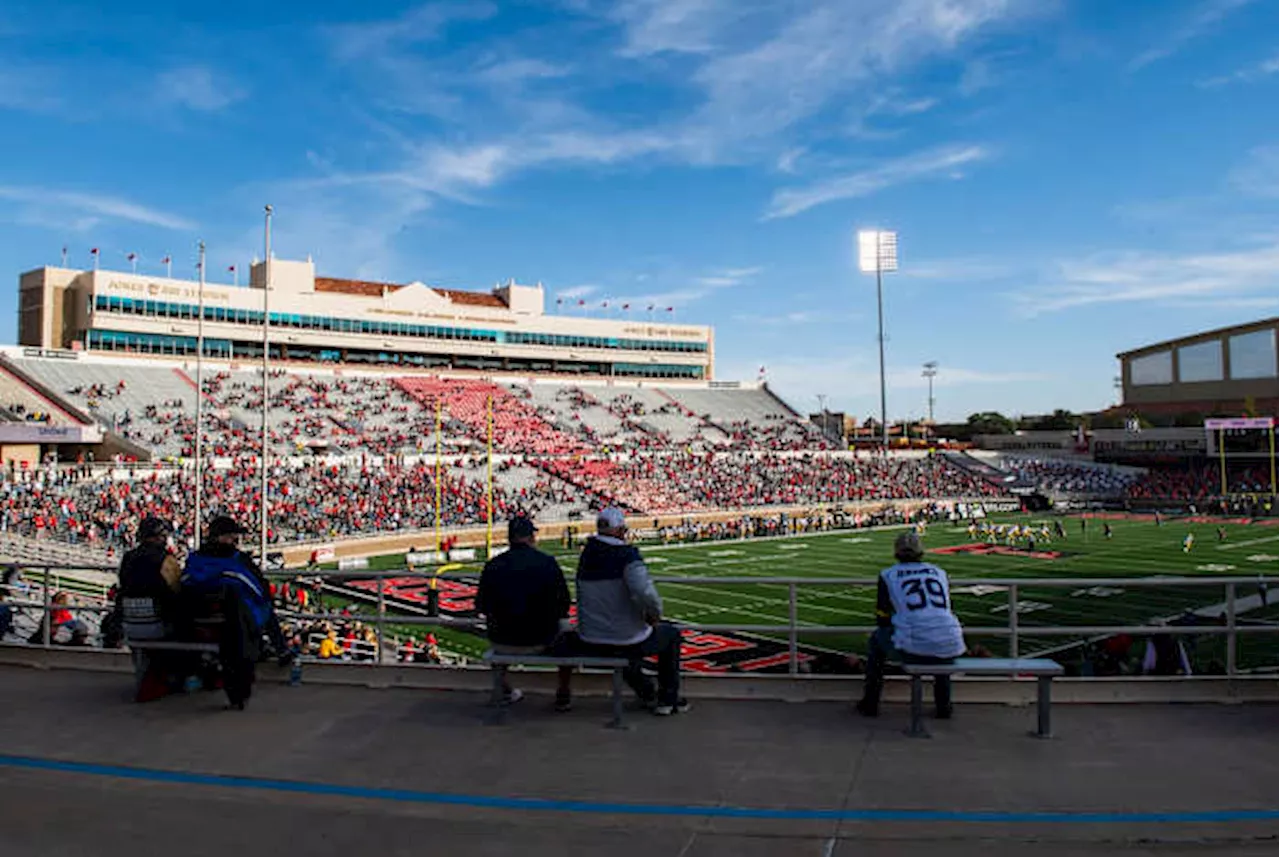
199 395
266 387
878 253
930 372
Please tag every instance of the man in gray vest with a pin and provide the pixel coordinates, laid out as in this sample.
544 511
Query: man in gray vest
620 613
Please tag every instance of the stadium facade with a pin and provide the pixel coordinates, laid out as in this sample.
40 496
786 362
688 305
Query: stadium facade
1228 371
342 321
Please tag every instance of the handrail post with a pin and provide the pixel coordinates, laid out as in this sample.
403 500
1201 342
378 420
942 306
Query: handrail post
1231 630
793 649
1013 621
382 619
47 622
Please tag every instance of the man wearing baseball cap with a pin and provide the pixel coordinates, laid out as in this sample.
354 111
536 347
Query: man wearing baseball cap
219 566
915 623
524 598
620 613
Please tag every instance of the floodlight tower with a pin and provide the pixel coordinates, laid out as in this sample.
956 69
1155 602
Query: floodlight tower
929 373
878 253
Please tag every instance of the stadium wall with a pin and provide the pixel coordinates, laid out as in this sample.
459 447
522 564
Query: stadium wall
1226 371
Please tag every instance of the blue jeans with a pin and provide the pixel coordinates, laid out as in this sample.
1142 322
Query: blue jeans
880 650
663 642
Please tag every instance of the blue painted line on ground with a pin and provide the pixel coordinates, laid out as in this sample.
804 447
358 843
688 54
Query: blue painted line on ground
652 809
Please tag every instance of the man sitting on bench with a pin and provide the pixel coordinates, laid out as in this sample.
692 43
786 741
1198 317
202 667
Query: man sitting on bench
524 598
916 625
620 614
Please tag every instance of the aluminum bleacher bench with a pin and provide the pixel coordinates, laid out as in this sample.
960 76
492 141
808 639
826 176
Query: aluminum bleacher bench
499 663
1043 669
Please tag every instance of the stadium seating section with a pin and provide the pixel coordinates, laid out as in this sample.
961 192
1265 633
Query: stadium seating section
356 453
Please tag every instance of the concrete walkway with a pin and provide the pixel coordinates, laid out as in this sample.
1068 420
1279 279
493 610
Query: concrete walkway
339 770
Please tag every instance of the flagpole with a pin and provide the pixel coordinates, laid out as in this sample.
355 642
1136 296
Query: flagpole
64 255
439 485
488 538
168 267
195 528
266 385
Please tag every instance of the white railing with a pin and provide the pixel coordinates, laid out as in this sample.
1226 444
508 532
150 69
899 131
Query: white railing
1013 629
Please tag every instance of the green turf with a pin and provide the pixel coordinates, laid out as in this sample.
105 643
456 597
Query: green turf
1138 548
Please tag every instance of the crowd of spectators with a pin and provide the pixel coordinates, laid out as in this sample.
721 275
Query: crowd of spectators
313 500
307 501
1057 475
1198 484
709 480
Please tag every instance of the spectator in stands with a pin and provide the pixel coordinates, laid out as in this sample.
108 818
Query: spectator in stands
524 599
61 618
620 613
915 624
329 647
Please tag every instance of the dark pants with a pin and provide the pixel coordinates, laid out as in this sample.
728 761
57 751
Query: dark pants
664 642
880 651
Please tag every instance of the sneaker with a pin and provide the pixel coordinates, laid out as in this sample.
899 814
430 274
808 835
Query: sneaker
666 710
866 709
564 703
512 696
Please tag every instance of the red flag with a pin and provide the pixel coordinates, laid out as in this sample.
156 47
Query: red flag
671 309
131 256
626 306
582 303
231 268
93 252
166 260
605 304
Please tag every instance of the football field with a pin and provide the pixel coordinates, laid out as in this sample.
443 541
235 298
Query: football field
1137 548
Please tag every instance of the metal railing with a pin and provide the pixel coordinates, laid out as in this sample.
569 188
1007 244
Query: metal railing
403 614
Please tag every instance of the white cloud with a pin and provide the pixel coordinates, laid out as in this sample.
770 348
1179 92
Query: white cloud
1258 174
942 161
196 87
423 23
575 292
41 202
1152 278
688 289
1248 74
851 381
956 269
1206 16
748 76
29 88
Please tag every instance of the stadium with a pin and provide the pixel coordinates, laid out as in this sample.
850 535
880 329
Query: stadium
406 424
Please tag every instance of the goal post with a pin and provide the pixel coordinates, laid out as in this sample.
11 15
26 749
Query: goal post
1242 425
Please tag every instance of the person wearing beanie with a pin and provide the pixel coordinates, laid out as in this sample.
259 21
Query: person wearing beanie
915 624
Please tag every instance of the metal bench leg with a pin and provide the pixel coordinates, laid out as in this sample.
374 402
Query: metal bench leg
917 729
1043 685
616 722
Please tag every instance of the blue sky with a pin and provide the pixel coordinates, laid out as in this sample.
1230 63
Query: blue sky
1069 179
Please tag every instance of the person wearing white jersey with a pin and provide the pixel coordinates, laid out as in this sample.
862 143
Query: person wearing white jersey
916 625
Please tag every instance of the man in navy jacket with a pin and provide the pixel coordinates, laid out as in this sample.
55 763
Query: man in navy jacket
524 599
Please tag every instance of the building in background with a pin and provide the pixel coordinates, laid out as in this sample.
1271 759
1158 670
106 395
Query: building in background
328 320
1226 372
